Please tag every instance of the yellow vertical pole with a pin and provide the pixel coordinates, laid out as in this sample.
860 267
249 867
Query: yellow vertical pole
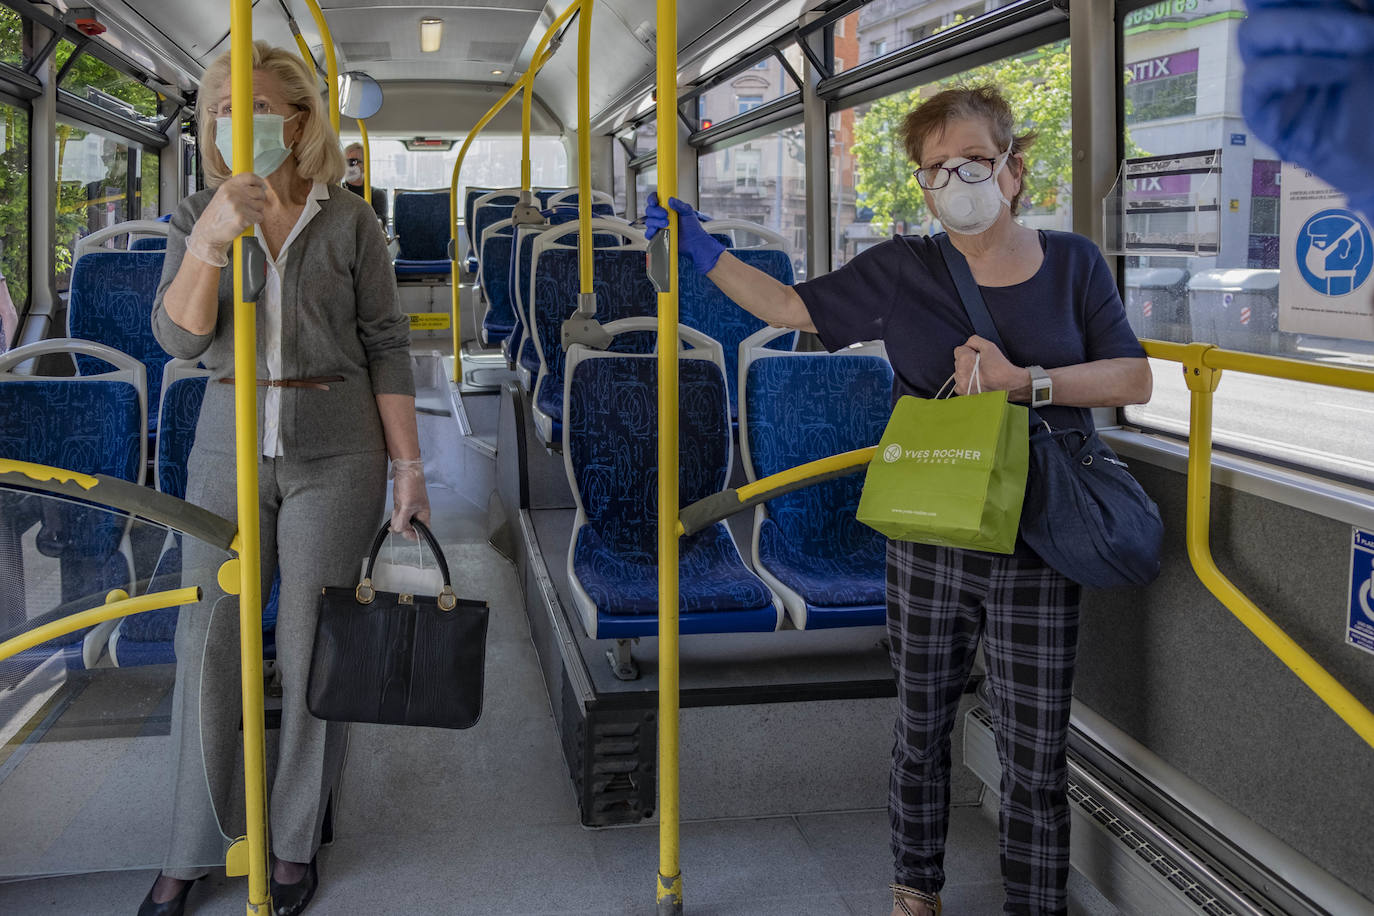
526 108
246 451
669 867
584 148
331 64
367 162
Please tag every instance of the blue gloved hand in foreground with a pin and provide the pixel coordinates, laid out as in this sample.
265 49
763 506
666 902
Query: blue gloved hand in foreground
1309 79
693 241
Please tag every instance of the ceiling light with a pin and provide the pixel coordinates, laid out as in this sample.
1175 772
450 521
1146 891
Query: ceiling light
497 72
431 33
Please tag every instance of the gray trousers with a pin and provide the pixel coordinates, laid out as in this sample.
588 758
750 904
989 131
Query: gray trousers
317 520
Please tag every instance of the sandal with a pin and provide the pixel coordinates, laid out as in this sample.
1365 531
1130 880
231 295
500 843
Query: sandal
904 896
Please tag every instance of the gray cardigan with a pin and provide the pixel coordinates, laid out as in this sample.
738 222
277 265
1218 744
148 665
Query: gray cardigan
340 316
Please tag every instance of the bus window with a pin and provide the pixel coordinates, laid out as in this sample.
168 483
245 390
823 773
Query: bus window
11 37
872 191
744 90
762 180
92 189
97 82
14 202
882 28
149 186
646 183
491 162
1182 78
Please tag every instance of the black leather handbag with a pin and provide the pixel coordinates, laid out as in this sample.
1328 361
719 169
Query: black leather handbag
398 659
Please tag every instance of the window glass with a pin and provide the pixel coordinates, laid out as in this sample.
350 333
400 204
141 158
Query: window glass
762 180
619 171
149 187
646 182
885 26
99 83
1183 80
11 37
764 82
14 214
92 190
873 192
491 162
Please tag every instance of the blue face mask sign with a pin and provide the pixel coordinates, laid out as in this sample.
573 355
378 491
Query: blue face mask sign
1335 252
1360 628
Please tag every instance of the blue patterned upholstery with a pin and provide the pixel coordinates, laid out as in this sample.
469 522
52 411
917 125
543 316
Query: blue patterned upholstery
612 451
149 243
703 306
622 290
111 302
469 202
176 433
801 408
93 427
499 321
421 224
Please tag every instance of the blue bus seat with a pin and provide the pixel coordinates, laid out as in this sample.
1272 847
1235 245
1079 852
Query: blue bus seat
111 302
610 443
138 235
829 569
622 290
499 320
92 424
148 243
603 204
421 223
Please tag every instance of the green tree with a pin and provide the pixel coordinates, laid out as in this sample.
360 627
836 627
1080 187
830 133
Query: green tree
1037 87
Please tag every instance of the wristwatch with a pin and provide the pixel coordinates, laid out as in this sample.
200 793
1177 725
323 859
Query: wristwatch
1042 389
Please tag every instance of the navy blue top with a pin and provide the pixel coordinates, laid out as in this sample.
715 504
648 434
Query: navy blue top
901 293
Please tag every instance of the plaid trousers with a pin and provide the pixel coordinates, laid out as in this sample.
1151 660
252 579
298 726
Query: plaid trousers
938 601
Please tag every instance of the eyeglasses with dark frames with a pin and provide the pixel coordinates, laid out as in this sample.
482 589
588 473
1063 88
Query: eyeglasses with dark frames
352 161
934 177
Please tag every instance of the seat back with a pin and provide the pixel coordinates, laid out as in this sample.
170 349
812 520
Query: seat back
497 243
572 196
138 235
183 390
801 407
610 437
421 222
111 303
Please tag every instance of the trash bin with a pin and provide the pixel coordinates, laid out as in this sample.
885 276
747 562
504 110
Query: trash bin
1237 309
1157 303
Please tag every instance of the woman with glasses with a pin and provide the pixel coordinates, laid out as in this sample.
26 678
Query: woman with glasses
1069 348
335 398
353 179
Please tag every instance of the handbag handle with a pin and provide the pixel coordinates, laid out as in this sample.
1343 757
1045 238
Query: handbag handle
974 306
365 593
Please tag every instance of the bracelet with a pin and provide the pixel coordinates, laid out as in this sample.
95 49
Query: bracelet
203 251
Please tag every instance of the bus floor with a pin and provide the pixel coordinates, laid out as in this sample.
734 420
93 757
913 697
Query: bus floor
484 821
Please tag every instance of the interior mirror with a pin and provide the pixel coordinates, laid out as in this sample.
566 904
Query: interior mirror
360 96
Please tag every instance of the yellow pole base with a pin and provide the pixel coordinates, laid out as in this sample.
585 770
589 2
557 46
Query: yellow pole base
670 895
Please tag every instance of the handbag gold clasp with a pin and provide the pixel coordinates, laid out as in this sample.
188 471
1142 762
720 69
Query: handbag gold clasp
403 598
365 593
447 599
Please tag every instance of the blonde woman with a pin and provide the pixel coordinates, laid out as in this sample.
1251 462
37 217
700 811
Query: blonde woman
335 399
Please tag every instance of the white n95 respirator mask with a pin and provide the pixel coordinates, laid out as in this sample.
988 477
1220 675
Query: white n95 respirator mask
970 209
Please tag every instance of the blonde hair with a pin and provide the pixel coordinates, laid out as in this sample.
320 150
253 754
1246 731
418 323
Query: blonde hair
317 152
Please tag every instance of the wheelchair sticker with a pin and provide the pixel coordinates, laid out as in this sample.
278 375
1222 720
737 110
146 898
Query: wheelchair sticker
1335 252
1360 623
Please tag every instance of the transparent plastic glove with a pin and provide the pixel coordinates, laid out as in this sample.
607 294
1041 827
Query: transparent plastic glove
239 203
408 497
1309 76
693 240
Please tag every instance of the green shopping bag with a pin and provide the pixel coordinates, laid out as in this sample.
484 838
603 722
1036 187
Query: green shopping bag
950 472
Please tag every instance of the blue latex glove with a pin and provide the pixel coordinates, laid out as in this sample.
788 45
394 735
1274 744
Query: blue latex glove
1309 79
693 240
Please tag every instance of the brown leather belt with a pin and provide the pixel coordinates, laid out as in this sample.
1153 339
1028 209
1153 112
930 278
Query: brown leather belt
317 382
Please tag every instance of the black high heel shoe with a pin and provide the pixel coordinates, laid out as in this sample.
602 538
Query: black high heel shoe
174 907
291 899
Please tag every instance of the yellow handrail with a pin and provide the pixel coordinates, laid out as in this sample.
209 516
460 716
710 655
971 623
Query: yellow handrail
1202 367
541 57
584 150
246 449
367 162
117 604
331 64
669 886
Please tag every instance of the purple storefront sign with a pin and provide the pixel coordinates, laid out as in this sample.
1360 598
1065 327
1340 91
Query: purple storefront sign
1158 68
1160 186
1264 179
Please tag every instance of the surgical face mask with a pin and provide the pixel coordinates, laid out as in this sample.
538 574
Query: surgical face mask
269 150
970 209
353 174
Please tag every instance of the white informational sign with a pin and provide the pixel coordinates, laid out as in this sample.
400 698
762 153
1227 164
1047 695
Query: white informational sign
1326 261
1359 631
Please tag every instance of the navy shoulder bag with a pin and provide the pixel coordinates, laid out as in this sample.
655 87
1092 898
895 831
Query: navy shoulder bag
1084 514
